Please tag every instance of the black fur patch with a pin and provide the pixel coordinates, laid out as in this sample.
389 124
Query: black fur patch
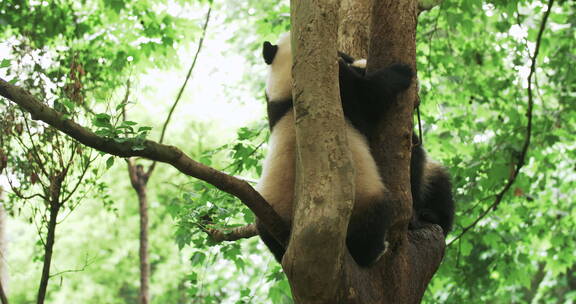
269 52
276 110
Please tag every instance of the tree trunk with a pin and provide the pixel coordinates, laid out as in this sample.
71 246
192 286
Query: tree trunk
139 180
353 28
325 173
48 247
3 253
317 266
144 264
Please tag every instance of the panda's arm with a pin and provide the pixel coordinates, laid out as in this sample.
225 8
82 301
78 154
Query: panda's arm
345 57
388 82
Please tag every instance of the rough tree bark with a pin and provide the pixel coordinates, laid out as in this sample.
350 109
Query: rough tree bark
325 173
353 28
55 204
139 179
403 273
3 251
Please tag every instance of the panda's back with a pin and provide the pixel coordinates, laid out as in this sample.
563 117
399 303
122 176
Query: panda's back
278 173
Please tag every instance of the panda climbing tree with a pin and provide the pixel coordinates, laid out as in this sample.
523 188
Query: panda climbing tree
327 215
364 97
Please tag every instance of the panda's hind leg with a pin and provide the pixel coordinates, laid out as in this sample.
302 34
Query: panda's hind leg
368 223
366 239
275 247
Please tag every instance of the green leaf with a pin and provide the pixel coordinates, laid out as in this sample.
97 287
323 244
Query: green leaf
109 162
4 63
102 120
129 123
197 258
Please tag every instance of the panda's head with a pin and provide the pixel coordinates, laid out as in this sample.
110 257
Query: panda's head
279 60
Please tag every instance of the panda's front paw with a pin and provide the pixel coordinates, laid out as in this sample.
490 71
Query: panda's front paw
403 73
390 81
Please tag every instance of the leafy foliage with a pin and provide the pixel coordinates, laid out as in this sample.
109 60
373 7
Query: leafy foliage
474 60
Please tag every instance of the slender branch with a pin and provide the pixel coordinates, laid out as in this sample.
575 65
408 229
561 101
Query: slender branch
23 197
190 70
34 148
243 232
78 181
125 100
524 152
200 43
86 264
153 151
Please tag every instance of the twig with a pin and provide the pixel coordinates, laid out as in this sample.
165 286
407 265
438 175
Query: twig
522 157
200 43
86 264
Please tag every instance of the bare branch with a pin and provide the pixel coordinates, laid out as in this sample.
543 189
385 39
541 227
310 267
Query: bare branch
153 151
86 264
524 152
200 43
78 181
243 232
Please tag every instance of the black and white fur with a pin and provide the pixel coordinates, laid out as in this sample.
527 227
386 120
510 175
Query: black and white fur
364 97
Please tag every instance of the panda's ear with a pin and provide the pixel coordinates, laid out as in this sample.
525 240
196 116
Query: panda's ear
269 51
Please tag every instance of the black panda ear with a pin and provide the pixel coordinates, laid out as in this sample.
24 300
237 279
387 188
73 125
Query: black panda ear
269 52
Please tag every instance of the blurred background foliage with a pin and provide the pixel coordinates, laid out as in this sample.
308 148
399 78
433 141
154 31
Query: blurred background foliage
473 59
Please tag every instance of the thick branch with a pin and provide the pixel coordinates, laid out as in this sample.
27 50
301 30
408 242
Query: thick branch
325 173
414 256
393 40
353 30
399 277
153 151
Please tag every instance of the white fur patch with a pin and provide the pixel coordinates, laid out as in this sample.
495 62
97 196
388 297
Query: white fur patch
278 171
279 79
278 174
431 169
360 63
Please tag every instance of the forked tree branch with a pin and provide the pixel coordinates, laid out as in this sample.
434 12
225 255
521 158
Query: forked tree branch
153 151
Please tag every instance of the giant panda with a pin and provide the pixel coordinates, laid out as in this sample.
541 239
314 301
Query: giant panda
364 97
